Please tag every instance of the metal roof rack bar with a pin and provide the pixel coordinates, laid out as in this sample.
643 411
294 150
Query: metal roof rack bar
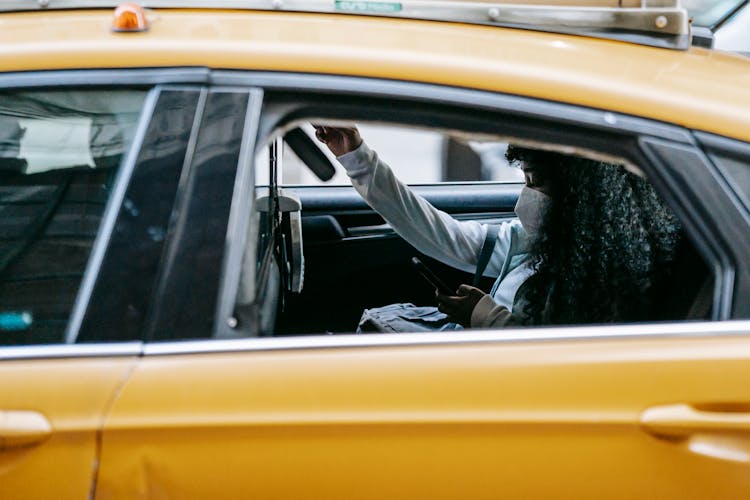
660 23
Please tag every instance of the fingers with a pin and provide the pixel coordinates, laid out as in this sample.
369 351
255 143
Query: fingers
441 300
455 309
326 130
322 134
448 304
470 291
446 308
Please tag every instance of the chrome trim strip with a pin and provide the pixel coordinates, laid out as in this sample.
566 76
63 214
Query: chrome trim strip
642 331
662 23
71 351
475 98
104 77
109 219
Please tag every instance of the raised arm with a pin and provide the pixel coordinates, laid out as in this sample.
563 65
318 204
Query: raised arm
431 231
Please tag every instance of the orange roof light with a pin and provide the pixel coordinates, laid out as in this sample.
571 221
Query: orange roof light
129 17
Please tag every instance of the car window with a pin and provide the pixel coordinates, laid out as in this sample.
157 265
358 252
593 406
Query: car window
126 278
356 261
424 157
186 301
59 154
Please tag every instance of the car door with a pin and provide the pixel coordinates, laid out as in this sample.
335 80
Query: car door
69 154
627 411
187 287
53 403
622 412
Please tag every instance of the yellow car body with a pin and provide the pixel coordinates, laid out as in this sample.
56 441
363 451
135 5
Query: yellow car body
696 88
626 411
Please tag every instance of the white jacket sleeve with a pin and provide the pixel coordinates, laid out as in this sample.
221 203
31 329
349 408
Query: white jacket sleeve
431 231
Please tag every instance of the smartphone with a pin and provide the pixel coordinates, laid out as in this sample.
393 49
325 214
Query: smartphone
431 278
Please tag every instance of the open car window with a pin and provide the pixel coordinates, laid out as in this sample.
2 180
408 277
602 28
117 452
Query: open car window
425 157
353 259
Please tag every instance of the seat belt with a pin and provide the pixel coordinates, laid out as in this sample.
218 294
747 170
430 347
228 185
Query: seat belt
484 255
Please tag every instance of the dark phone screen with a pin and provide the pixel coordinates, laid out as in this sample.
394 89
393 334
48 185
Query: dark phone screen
431 277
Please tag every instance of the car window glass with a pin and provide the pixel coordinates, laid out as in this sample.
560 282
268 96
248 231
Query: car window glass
420 156
59 153
127 281
187 300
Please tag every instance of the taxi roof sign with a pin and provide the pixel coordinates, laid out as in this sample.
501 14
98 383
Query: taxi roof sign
129 18
660 23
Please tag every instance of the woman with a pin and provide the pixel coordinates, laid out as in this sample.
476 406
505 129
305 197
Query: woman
605 249
595 238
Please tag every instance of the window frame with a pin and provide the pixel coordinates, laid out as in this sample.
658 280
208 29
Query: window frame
605 132
151 80
530 109
738 202
121 180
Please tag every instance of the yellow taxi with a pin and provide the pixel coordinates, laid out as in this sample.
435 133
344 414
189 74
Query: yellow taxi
182 265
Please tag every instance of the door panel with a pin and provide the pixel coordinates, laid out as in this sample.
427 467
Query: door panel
72 396
53 398
551 419
353 257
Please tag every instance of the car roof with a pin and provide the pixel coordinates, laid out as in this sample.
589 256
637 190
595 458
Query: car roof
696 88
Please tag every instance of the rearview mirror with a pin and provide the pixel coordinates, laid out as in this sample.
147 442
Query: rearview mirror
310 154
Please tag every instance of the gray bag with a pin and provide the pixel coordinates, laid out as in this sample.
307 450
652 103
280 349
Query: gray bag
407 317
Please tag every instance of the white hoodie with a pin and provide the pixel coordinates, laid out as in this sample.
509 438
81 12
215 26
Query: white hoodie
440 236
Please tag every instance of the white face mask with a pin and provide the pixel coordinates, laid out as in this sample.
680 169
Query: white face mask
531 209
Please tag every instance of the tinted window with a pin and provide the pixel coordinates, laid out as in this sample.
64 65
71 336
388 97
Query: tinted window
187 298
125 286
59 153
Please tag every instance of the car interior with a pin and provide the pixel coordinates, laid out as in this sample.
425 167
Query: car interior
329 256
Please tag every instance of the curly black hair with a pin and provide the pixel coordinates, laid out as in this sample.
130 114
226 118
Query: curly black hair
605 247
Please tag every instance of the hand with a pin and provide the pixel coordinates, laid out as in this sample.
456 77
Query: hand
340 140
460 306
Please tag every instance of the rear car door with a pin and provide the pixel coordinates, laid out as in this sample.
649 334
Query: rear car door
629 411
188 289
71 159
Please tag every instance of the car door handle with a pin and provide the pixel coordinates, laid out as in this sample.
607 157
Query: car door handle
720 431
22 428
680 420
